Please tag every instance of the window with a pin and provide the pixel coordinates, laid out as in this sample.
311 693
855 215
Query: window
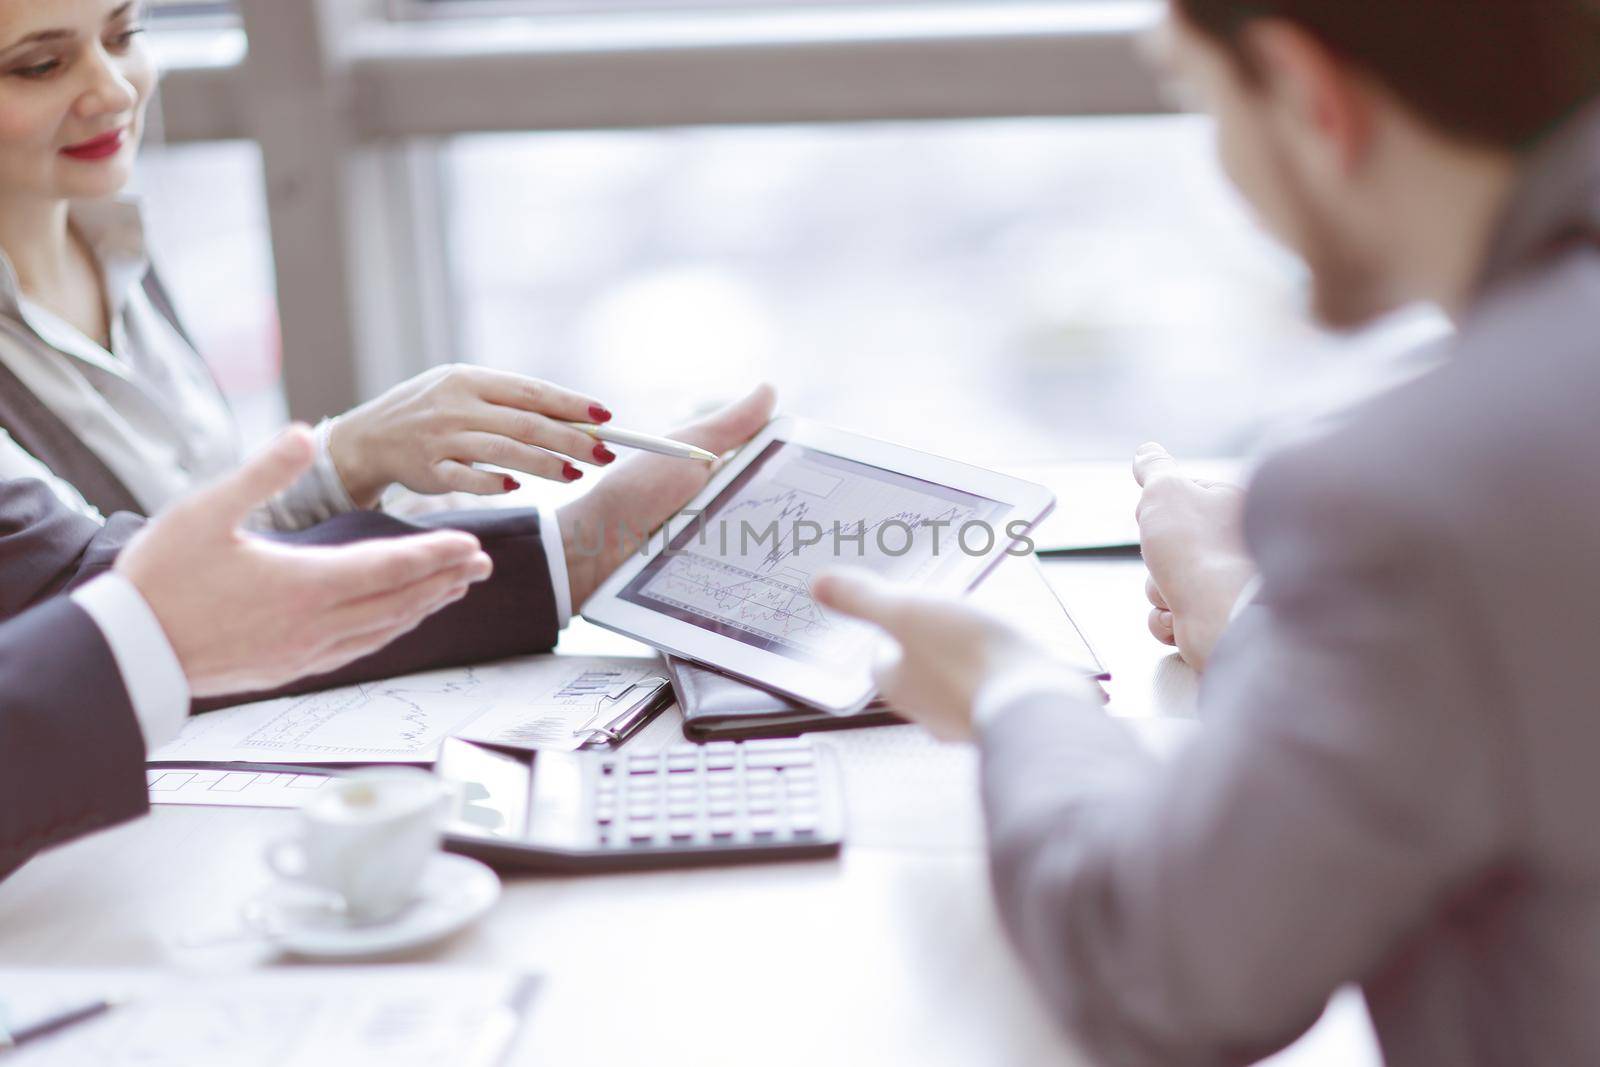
458 8
173 12
661 204
206 218
1000 289
206 211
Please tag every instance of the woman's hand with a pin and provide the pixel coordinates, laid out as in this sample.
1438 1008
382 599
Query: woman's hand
427 433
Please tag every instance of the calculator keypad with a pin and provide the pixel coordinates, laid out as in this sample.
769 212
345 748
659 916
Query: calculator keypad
720 794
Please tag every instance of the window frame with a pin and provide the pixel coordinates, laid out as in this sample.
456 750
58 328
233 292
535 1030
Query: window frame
348 100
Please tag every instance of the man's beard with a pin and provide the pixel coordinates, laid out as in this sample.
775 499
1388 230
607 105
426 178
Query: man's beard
1347 289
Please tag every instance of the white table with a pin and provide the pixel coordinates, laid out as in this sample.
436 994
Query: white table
890 955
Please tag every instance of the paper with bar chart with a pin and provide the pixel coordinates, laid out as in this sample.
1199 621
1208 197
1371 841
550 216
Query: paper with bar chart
744 568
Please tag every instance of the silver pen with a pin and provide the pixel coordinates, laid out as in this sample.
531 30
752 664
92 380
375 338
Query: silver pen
661 446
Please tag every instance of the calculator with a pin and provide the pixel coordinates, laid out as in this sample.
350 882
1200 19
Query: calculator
687 805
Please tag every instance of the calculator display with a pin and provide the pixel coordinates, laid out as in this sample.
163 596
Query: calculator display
489 790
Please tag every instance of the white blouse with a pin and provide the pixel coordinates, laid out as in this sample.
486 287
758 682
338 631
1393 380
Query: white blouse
147 407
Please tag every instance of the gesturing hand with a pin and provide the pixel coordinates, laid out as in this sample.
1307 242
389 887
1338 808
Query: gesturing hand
947 649
247 614
427 433
1192 537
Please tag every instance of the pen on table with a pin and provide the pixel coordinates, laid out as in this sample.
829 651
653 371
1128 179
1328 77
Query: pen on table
51 1023
662 446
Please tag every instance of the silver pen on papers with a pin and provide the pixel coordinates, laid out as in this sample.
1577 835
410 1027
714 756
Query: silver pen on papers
661 446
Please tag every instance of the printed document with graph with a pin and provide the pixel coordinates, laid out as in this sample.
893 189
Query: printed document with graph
535 702
743 568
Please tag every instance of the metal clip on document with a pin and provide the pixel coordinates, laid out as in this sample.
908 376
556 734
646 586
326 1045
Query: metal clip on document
631 719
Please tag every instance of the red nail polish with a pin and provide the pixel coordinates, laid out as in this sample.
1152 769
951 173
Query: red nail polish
571 473
512 485
598 413
602 454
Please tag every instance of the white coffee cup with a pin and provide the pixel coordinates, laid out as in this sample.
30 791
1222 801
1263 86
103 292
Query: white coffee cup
365 839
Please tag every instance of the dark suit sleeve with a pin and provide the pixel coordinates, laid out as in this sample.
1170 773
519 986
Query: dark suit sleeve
512 613
46 548
71 752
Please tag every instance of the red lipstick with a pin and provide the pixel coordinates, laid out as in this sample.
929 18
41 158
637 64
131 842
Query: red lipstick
102 147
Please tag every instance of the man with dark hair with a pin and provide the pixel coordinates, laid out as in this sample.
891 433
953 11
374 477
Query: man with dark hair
1496 72
1397 784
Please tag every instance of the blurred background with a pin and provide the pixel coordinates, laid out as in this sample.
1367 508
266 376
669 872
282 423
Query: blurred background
972 228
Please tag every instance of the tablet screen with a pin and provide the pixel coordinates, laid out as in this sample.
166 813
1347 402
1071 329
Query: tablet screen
743 567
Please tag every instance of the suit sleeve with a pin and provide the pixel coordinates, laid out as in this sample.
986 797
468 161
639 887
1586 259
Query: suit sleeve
47 548
512 613
71 751
1204 913
71 754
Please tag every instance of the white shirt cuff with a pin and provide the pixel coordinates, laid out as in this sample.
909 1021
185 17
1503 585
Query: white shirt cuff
1007 692
555 551
316 496
333 487
150 670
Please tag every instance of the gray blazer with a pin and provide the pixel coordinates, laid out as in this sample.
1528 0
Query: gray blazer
71 752
1400 779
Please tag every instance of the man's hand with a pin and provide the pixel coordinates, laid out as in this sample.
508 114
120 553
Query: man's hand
947 649
611 520
246 614
1192 536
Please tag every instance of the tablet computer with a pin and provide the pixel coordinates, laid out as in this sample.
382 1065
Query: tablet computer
727 582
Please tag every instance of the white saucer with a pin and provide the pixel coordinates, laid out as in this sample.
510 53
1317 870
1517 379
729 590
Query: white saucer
454 892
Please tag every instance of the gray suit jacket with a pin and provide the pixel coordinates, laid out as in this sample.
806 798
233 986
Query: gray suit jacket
1400 778
71 752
